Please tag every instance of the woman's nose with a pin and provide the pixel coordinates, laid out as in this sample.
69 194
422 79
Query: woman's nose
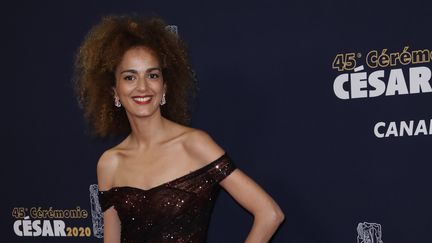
142 84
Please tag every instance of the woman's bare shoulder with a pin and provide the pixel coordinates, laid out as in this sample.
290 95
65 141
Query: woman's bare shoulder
201 145
109 158
106 168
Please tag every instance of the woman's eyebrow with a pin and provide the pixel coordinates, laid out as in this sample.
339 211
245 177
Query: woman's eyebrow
129 71
152 69
135 71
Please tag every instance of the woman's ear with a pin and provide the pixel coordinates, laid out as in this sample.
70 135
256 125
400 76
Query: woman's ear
117 102
114 91
165 87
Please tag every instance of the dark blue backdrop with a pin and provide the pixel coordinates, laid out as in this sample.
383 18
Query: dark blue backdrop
266 95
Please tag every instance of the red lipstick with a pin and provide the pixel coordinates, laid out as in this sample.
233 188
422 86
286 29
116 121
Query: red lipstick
142 100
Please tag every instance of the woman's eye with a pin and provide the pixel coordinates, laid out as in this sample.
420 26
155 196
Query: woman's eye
129 77
153 75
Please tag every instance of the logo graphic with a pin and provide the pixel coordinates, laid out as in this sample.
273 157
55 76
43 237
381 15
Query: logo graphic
172 28
369 233
49 222
96 212
386 74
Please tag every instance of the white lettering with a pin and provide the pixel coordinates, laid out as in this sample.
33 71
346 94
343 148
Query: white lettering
396 83
27 227
403 128
407 128
358 85
419 79
46 228
377 83
340 92
421 128
378 134
59 228
17 229
392 130
36 227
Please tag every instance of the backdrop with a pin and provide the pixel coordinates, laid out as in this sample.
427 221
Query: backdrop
325 104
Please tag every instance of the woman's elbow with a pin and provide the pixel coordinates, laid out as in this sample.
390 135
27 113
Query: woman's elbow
272 216
277 216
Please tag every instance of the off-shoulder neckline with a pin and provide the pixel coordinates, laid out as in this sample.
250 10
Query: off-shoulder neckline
183 177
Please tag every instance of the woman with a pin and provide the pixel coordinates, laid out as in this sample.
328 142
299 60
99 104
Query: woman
160 183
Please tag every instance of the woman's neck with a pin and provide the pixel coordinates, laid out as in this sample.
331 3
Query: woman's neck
147 131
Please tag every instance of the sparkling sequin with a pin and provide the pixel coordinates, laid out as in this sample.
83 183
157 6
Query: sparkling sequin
176 211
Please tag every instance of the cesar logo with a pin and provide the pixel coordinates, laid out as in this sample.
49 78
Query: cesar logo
369 233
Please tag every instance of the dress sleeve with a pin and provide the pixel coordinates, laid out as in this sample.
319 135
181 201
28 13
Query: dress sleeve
222 167
106 199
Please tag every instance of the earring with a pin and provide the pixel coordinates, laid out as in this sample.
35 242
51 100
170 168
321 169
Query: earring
163 101
117 101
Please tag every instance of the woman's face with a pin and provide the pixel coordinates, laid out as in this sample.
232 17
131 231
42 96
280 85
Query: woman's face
139 82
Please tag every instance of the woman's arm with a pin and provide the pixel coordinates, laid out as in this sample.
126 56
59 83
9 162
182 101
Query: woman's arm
267 214
106 167
111 226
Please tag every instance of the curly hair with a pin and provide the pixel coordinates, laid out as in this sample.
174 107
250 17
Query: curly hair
101 52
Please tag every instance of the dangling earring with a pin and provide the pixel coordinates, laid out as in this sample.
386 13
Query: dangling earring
117 101
163 101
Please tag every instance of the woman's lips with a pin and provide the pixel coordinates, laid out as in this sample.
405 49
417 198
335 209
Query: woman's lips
142 100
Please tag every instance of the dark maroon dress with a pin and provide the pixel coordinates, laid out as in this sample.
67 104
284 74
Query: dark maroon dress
176 211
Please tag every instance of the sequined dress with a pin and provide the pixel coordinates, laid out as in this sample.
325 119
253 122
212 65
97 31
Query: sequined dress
176 211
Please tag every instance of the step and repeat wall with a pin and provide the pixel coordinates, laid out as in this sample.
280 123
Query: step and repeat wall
327 105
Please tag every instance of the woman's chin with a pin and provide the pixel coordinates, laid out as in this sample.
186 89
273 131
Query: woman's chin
142 113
